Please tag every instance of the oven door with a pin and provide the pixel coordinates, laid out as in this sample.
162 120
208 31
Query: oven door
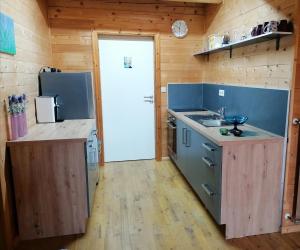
172 148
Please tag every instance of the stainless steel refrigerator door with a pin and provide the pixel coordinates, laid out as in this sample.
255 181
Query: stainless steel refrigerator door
75 91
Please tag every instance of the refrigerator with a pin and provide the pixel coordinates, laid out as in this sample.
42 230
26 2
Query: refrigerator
75 93
76 101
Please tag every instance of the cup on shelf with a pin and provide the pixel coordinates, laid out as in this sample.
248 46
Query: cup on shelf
254 31
225 39
259 29
236 35
290 26
272 26
244 34
265 25
283 25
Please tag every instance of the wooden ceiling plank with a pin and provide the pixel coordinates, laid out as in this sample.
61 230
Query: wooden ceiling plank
196 1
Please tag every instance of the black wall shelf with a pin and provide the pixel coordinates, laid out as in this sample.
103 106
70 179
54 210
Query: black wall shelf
252 40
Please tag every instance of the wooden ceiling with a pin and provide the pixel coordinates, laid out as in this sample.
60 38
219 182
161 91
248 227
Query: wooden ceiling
196 1
155 1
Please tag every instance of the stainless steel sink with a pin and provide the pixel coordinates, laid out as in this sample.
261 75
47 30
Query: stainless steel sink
211 120
204 117
214 123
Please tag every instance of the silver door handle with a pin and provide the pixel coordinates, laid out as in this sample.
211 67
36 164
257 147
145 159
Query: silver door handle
148 97
296 121
150 101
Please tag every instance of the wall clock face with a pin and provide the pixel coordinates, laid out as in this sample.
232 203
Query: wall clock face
179 28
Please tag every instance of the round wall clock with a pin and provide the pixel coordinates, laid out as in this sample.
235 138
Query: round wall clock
179 28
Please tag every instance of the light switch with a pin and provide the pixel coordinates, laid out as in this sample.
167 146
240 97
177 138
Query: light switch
221 92
163 89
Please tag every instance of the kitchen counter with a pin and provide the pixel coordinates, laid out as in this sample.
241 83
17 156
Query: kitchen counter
232 175
250 133
66 130
54 177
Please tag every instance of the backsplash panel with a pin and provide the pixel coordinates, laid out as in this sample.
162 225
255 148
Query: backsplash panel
185 96
265 108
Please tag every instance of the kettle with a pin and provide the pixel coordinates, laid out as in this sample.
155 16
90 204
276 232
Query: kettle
48 109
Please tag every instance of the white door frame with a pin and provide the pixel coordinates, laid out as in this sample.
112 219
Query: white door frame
157 86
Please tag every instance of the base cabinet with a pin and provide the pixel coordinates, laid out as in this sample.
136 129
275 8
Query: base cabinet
199 160
54 185
50 188
239 183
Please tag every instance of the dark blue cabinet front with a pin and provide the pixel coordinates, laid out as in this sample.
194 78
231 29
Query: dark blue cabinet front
199 160
182 151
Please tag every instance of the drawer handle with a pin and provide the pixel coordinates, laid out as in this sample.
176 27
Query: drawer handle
207 190
208 147
208 162
184 136
188 138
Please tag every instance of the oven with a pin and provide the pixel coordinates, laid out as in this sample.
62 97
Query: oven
172 138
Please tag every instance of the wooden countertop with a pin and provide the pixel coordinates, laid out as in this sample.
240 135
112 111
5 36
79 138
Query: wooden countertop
251 134
66 130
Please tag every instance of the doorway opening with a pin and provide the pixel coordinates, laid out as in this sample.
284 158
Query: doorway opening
127 89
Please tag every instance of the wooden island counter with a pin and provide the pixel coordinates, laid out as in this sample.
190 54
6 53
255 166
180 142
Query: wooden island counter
49 169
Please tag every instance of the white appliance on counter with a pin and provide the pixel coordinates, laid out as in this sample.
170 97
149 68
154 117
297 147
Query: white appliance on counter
45 109
48 109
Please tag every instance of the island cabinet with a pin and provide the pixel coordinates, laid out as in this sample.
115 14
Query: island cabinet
50 170
238 181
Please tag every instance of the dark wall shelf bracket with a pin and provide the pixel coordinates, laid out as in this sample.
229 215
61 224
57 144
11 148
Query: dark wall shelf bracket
278 43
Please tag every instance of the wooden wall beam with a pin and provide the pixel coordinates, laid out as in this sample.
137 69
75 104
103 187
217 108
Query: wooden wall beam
97 90
157 96
292 151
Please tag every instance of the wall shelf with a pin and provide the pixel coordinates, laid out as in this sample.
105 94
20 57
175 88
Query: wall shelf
252 40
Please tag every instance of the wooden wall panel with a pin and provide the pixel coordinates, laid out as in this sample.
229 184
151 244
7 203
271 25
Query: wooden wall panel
260 65
291 165
255 65
18 73
72 23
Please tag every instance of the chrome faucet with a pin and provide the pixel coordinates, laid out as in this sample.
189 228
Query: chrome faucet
221 111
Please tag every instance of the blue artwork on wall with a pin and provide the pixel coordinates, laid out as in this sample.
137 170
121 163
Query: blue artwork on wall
7 35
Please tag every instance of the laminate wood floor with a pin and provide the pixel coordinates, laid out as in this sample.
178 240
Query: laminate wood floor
148 205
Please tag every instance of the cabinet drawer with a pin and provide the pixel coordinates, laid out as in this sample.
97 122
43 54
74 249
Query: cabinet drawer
211 200
211 172
200 161
211 150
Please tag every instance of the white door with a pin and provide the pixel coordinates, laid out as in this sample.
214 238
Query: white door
127 89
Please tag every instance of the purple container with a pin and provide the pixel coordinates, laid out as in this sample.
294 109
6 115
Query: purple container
21 125
14 127
25 127
25 123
